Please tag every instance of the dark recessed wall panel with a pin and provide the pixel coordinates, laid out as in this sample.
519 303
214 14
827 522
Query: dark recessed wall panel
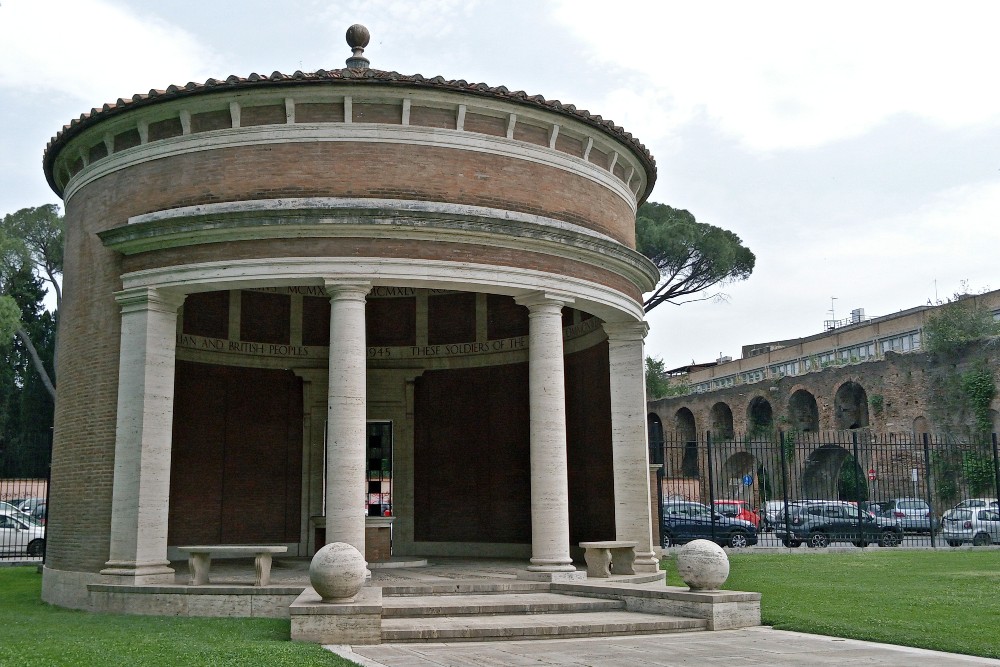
504 318
315 320
236 472
588 446
391 322
451 318
471 456
265 317
207 314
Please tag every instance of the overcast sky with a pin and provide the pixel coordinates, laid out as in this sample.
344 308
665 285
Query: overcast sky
853 146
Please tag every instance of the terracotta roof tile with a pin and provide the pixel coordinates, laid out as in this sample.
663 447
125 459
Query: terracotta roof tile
372 76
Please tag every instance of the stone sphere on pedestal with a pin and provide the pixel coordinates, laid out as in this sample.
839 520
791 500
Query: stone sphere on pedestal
337 572
703 565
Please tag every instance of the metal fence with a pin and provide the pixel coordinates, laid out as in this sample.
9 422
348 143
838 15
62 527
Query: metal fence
22 533
878 473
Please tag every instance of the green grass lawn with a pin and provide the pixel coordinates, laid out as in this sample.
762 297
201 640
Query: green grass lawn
34 633
943 600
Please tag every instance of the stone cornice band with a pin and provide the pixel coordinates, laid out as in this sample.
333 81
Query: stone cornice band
397 219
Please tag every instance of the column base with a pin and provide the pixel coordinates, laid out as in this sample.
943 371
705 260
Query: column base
552 565
130 572
646 561
550 575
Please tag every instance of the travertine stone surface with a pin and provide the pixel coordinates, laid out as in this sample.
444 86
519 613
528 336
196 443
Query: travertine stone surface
703 565
547 429
630 452
138 549
347 414
337 572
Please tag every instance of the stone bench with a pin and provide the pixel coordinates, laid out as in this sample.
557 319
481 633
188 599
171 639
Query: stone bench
200 560
609 557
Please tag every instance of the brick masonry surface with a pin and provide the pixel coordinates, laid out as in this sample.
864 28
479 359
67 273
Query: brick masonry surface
83 456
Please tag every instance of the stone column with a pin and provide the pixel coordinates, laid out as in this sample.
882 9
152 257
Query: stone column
547 429
630 449
346 415
141 492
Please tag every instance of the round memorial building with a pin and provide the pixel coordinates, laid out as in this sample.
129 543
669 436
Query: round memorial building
299 308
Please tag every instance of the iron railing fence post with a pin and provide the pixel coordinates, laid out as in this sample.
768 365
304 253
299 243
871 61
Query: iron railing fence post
996 468
660 474
711 480
929 477
857 487
784 485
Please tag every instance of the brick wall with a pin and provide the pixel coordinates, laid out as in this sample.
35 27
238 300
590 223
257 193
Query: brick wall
83 454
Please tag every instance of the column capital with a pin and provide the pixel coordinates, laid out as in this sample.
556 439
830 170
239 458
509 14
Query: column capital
347 289
635 331
148 298
534 300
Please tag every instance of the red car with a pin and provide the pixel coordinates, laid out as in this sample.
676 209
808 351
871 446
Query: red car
737 509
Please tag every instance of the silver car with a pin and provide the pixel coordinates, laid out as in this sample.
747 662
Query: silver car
979 526
20 533
979 503
913 514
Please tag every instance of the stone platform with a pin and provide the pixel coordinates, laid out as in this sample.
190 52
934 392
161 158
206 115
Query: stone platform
449 599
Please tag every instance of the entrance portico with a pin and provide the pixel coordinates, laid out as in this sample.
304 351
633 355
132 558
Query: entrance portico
347 368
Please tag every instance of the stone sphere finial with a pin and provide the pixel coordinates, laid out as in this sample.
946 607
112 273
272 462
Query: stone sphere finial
358 38
337 572
703 565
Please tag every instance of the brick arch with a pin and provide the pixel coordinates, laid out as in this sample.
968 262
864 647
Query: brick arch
687 431
850 406
803 411
654 436
760 413
721 419
684 423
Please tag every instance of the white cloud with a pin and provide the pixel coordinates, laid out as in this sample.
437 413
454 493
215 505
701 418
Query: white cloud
94 50
951 238
397 23
794 74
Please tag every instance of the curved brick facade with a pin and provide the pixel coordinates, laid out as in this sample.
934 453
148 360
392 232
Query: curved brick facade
457 212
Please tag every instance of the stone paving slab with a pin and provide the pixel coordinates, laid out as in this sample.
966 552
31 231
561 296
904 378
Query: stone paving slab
750 646
581 624
493 603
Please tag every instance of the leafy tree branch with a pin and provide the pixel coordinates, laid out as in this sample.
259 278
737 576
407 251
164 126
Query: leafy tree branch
691 256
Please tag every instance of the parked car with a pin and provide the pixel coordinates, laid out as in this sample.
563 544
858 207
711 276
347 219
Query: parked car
771 512
737 509
976 525
686 521
9 508
914 514
979 503
27 505
820 523
20 534
40 513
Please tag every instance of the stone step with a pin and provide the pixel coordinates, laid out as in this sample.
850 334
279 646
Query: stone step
469 604
464 586
533 626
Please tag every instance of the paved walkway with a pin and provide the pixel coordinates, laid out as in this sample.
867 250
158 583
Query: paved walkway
752 646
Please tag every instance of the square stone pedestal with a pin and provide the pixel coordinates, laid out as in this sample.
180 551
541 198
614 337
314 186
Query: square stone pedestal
358 622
